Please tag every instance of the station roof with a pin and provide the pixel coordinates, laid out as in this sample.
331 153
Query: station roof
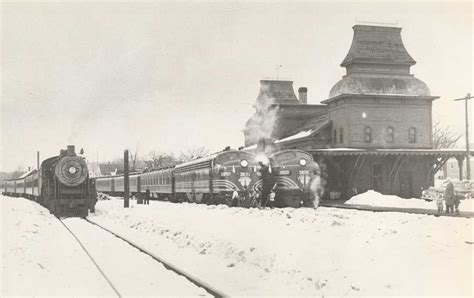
377 44
356 151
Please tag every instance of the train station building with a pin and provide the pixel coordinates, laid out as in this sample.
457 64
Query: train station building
374 131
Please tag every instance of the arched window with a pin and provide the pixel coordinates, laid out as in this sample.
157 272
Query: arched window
367 134
412 135
390 137
341 135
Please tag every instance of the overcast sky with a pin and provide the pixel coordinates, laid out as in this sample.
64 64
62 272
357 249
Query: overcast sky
167 76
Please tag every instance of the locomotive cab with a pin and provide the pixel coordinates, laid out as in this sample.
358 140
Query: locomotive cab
291 174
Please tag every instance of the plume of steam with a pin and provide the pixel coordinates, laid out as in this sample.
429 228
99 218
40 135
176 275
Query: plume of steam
317 190
262 123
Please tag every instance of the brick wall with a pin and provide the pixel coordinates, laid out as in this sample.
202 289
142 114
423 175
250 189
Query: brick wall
381 113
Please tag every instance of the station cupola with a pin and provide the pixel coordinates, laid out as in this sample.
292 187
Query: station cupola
378 63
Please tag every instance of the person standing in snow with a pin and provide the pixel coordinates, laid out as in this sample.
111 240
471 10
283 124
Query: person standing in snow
147 197
235 198
457 201
449 197
271 198
439 203
254 197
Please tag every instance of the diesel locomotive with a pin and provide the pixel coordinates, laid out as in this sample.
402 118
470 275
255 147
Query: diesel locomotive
210 180
292 173
61 185
213 179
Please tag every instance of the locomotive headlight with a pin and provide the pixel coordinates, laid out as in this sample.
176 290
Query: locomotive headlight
303 162
72 170
244 163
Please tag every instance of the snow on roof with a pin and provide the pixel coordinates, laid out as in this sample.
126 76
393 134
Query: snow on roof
198 160
301 134
27 174
252 147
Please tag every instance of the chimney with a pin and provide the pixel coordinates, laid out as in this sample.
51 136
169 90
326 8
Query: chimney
70 150
303 95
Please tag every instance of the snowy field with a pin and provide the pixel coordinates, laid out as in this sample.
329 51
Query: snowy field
40 258
292 252
239 251
373 198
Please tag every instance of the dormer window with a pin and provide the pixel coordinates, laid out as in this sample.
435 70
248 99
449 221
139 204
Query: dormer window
390 137
367 134
412 135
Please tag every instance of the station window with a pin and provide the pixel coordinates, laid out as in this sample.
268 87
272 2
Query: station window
390 137
412 135
367 134
341 135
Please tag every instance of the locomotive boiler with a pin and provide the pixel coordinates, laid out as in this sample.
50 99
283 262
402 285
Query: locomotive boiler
62 185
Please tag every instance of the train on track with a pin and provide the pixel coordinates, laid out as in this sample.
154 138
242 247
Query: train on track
61 185
213 179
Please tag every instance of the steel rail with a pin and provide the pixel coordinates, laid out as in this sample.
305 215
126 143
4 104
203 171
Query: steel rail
195 280
92 259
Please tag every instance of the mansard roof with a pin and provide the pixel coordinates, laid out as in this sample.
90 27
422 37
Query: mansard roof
276 92
377 45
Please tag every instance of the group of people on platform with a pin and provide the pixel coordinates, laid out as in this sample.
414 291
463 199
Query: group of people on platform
253 199
451 200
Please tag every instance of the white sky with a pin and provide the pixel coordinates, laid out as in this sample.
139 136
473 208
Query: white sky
166 76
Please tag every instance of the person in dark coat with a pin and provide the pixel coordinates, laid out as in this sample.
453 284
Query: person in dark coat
147 197
235 198
449 197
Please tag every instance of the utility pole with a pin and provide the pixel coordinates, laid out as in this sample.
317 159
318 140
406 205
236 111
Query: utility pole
39 172
468 164
126 181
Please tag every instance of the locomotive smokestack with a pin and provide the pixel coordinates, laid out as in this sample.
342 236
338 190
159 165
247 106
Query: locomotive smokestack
303 95
70 150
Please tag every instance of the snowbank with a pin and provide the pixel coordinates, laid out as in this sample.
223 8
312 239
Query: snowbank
373 198
40 258
291 252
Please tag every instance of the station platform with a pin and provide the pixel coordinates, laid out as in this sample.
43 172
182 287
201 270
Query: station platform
340 204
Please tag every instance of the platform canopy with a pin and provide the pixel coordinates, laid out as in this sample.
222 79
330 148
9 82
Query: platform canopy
355 151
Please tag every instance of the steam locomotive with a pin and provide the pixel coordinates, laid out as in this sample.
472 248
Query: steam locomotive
62 185
213 179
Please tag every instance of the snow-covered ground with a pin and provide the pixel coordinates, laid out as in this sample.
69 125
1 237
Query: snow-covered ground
290 252
373 198
40 258
132 272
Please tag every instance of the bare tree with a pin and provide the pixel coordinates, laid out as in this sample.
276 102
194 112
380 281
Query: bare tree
18 172
156 159
193 152
444 137
133 159
117 161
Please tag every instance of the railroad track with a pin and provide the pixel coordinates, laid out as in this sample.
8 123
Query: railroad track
116 286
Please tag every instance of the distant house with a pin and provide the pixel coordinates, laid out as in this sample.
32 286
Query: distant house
107 169
451 168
